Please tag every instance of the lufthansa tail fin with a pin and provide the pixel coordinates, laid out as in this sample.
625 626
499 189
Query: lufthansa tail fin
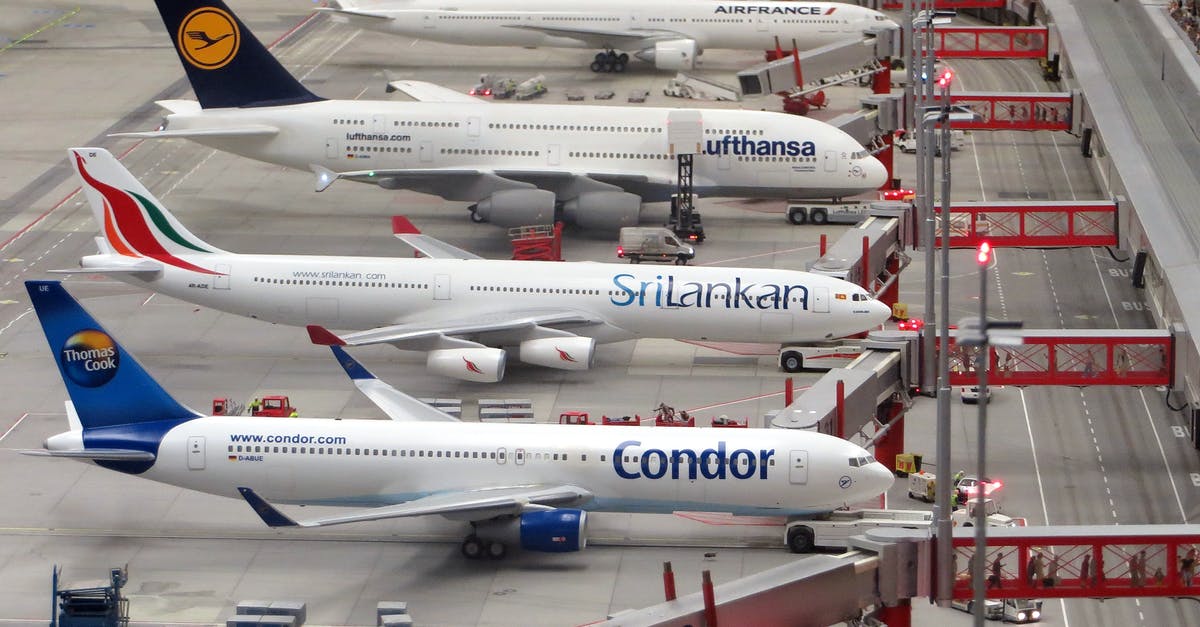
132 221
225 63
107 386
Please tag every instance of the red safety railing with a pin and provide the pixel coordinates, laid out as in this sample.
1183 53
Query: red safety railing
992 42
1032 224
998 111
952 4
1071 357
1087 561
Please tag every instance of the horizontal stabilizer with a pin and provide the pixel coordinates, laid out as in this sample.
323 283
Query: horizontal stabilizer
254 130
114 265
479 504
103 454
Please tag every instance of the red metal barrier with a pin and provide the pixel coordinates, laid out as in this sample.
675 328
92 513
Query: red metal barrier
1000 111
1072 357
1032 224
952 4
1088 561
992 42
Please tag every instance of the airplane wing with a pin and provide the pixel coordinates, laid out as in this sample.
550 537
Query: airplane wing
428 92
250 130
348 12
405 231
602 38
396 404
480 504
443 334
471 184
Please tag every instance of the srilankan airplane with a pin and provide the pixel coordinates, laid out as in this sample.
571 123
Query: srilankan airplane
520 485
667 33
516 163
456 305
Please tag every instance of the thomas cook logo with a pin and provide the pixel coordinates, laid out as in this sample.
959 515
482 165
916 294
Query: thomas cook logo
208 38
90 358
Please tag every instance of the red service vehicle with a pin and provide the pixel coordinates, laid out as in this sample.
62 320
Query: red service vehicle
574 418
725 422
275 406
666 416
622 421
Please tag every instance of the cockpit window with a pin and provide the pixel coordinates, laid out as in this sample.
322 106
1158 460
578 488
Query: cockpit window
856 462
860 297
862 154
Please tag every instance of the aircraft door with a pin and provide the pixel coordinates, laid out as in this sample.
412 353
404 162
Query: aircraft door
221 280
378 123
426 151
430 21
553 154
332 150
764 24
441 287
723 161
798 467
195 452
473 126
820 299
831 161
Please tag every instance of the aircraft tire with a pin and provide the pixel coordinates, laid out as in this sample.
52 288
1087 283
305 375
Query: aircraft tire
496 550
476 218
472 547
597 66
618 67
601 57
791 361
800 539
623 58
608 66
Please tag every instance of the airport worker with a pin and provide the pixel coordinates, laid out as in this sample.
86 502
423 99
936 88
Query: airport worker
294 414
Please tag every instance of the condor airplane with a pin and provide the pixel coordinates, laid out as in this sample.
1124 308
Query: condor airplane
454 304
516 163
526 485
667 33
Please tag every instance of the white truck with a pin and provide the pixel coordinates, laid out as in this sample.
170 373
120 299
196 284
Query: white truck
965 516
804 536
906 141
639 243
827 212
688 86
1008 610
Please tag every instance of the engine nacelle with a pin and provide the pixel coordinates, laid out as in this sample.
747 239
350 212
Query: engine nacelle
483 365
675 54
517 207
552 531
564 353
603 211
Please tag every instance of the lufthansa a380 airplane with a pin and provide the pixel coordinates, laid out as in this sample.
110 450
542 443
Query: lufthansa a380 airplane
668 33
457 305
515 162
526 485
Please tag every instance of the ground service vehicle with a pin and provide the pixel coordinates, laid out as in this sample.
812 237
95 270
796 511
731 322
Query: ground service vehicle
821 356
653 244
907 142
922 486
965 516
531 87
970 395
276 406
828 212
803 536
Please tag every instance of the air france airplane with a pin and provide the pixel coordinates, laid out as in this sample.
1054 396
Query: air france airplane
516 163
456 305
526 485
667 33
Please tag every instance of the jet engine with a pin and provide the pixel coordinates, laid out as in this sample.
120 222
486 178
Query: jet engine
603 211
516 207
483 365
564 353
675 54
551 531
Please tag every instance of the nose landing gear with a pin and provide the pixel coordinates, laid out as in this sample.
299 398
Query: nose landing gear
610 61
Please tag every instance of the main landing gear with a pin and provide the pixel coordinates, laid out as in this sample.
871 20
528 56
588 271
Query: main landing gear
474 547
610 62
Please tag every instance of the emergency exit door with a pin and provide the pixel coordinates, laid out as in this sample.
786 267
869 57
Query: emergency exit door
441 287
820 299
798 467
195 454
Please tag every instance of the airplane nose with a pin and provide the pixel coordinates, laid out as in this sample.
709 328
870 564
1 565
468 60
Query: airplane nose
877 175
879 478
880 312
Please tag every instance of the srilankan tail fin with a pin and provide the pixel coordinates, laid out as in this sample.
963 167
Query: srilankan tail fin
107 386
132 221
225 63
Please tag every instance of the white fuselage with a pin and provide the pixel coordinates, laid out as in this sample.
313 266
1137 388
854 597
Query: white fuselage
712 25
744 153
681 302
367 463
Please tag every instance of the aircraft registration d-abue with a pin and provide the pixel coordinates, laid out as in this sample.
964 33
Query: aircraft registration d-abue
669 34
517 485
516 163
459 307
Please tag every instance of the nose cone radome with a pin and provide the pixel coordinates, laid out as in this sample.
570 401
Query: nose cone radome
876 175
880 312
878 478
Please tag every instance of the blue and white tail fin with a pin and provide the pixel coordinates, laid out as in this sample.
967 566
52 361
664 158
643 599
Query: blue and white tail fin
112 394
226 65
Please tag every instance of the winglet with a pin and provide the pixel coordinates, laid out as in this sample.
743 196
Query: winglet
350 364
266 511
321 336
401 225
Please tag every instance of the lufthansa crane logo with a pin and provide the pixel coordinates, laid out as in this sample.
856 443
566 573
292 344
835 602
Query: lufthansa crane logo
208 38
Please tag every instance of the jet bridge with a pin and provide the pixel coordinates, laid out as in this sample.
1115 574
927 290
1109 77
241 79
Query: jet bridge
872 253
780 75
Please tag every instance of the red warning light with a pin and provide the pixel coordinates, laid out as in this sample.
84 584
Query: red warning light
984 255
946 78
